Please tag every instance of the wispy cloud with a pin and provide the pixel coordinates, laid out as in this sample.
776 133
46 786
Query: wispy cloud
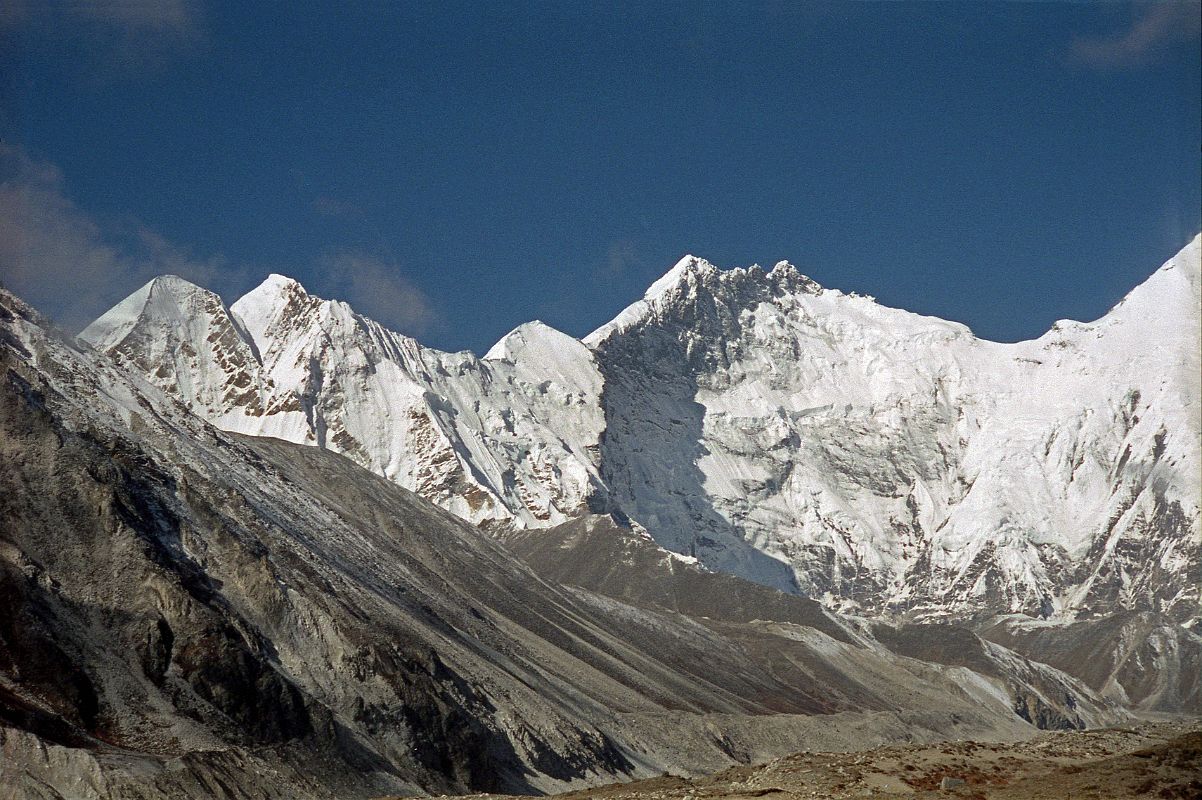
1154 28
74 267
103 39
330 206
65 262
379 290
622 254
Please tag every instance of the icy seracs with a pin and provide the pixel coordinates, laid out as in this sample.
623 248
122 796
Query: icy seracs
799 436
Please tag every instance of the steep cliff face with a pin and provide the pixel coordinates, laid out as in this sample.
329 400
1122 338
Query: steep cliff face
810 440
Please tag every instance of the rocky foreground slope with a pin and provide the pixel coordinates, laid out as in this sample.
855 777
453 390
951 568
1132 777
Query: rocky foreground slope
193 613
810 440
1162 760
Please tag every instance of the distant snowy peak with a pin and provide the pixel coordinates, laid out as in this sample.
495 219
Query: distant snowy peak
538 352
689 270
512 438
711 305
1151 336
183 339
167 299
116 323
694 282
1169 298
535 335
896 461
277 300
683 272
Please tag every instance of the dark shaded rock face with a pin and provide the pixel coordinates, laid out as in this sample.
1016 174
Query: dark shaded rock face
29 653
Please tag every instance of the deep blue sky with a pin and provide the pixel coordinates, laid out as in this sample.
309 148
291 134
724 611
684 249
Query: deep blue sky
457 170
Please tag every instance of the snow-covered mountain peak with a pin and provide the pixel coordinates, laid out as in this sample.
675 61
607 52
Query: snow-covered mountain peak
540 355
276 298
1161 310
277 285
507 438
531 336
692 275
1171 290
694 283
184 340
688 269
786 275
683 279
848 438
276 290
168 298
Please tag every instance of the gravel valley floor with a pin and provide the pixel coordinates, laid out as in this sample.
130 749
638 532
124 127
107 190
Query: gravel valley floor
1159 759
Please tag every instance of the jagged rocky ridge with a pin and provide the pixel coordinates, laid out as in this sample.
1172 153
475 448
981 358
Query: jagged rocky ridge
190 612
810 440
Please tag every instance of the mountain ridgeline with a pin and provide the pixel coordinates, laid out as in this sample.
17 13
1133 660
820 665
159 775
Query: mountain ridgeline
187 612
881 462
275 550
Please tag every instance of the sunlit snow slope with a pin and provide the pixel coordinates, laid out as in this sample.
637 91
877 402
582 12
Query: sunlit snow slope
799 436
509 437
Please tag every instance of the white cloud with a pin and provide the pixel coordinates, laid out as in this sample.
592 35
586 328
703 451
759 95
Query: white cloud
380 291
74 267
1154 27
62 260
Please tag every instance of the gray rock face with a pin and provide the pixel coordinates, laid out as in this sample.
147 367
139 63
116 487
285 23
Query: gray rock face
1140 659
190 613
